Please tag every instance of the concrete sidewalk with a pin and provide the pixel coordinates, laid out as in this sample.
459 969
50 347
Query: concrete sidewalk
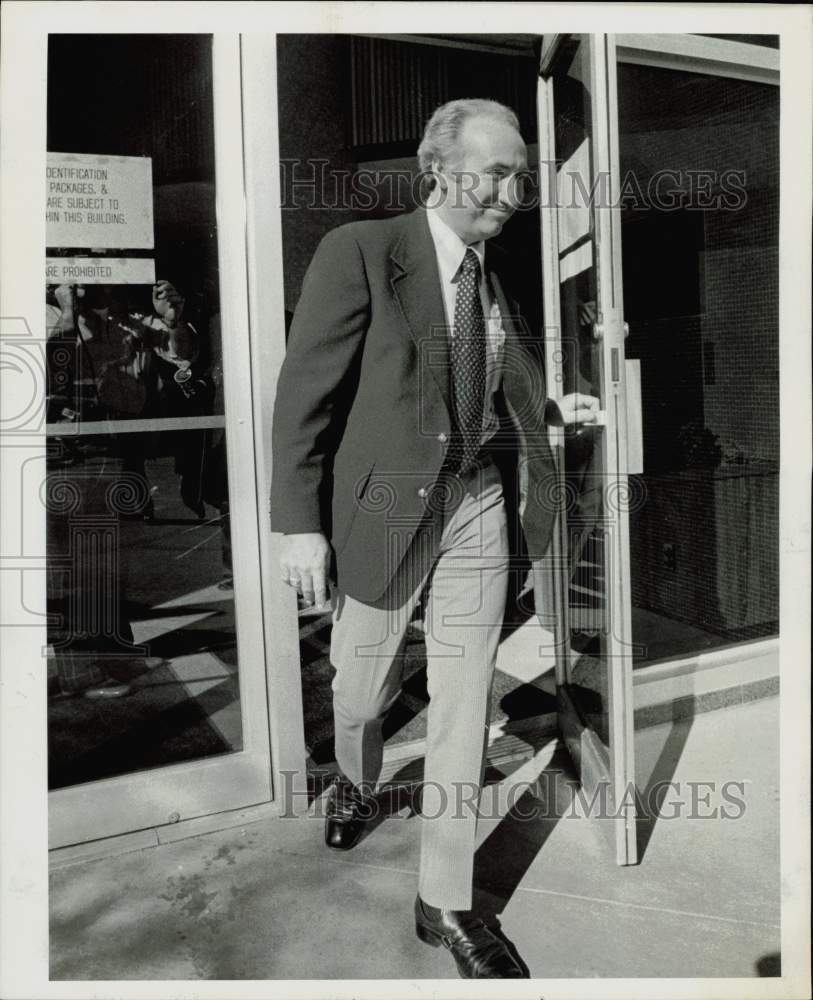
269 901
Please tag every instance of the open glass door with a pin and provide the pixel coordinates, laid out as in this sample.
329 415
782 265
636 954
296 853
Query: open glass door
587 572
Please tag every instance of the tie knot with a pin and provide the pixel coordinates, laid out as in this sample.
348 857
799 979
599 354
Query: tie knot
470 265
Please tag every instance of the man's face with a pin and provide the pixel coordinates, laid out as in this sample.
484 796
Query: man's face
482 188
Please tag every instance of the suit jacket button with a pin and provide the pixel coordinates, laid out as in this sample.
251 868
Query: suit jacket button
423 493
442 438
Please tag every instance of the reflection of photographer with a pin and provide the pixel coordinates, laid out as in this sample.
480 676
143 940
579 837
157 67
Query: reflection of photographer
171 346
107 361
188 386
164 329
173 363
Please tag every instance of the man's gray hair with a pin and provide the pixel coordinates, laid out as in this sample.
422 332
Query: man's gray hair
440 137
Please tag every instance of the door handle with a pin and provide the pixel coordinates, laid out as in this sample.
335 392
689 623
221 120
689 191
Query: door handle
635 429
599 331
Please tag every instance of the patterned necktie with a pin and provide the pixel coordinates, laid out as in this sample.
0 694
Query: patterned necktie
468 359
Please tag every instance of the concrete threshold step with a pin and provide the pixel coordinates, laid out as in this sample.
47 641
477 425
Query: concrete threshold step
722 678
664 692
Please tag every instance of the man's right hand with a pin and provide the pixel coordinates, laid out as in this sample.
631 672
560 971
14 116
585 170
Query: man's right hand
305 564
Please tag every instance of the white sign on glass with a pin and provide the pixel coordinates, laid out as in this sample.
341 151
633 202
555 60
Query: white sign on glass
100 270
99 202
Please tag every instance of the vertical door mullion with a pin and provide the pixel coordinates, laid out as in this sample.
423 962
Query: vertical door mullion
552 581
230 213
267 317
618 623
626 749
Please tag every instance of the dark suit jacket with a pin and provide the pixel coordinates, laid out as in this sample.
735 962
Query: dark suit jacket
363 417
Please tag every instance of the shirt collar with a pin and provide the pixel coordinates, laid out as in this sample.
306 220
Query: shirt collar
450 248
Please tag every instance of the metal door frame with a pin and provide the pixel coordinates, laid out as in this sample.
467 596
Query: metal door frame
597 768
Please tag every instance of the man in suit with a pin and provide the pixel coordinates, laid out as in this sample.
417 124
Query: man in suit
410 407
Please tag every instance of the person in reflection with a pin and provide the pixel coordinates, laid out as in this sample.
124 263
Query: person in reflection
162 352
411 403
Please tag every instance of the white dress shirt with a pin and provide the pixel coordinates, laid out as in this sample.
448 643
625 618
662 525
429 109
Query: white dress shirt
450 251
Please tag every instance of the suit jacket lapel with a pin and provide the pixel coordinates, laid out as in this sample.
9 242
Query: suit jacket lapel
416 286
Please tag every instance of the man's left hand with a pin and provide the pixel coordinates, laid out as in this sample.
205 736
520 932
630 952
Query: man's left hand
574 408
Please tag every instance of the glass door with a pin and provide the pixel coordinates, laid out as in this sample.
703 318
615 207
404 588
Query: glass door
585 581
661 586
158 706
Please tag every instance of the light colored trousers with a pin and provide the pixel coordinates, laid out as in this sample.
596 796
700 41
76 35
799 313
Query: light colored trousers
465 593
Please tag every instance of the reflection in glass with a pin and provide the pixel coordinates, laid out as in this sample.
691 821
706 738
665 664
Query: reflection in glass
701 301
140 599
142 657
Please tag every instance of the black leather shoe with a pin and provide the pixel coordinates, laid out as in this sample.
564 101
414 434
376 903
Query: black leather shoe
478 952
344 816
